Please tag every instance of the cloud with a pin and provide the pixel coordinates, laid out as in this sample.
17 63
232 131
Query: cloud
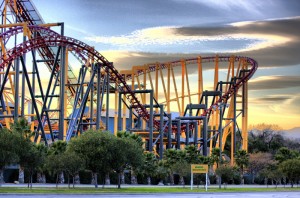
272 42
167 35
254 7
276 42
270 99
274 82
278 103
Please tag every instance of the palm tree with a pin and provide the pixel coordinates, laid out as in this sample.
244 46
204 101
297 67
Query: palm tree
22 127
136 138
43 150
242 161
56 149
150 166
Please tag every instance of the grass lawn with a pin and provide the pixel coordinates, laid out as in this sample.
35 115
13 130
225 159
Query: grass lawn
83 190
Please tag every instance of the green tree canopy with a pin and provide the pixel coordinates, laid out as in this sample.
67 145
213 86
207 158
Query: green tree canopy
291 169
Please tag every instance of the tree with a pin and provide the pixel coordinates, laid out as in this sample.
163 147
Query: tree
22 127
96 148
265 138
8 150
284 154
182 168
126 152
193 155
258 161
150 166
215 157
54 165
139 141
291 169
72 163
226 173
242 161
31 160
276 175
58 148
41 168
171 156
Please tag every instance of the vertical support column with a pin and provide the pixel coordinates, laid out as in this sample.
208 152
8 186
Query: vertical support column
234 121
17 82
33 81
220 122
195 133
99 108
161 132
107 99
92 101
120 113
130 119
204 136
182 86
116 108
124 113
170 131
151 123
169 88
245 110
178 133
200 78
23 86
187 133
62 83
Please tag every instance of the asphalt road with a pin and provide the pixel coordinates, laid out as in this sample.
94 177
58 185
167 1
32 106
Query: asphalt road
166 195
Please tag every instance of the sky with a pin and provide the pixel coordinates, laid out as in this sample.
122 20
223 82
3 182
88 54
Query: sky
136 32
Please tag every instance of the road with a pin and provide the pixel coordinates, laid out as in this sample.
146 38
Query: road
166 195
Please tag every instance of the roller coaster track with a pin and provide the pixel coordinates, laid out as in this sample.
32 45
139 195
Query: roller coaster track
25 11
82 50
52 39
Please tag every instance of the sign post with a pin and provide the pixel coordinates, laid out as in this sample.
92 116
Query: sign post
199 168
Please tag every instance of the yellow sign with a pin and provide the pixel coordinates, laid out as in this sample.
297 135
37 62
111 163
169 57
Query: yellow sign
199 168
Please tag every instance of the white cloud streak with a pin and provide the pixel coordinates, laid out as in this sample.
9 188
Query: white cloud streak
168 36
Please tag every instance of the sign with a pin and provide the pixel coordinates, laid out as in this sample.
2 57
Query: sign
199 168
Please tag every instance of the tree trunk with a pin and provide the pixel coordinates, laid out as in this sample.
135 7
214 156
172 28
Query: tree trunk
107 179
96 180
253 176
149 180
171 179
181 180
21 175
69 181
57 179
242 178
31 180
39 178
61 178
119 180
1 176
122 177
133 178
76 179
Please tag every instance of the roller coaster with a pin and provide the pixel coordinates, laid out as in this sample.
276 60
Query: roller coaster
167 103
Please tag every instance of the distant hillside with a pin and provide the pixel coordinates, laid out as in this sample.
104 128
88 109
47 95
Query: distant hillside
293 133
